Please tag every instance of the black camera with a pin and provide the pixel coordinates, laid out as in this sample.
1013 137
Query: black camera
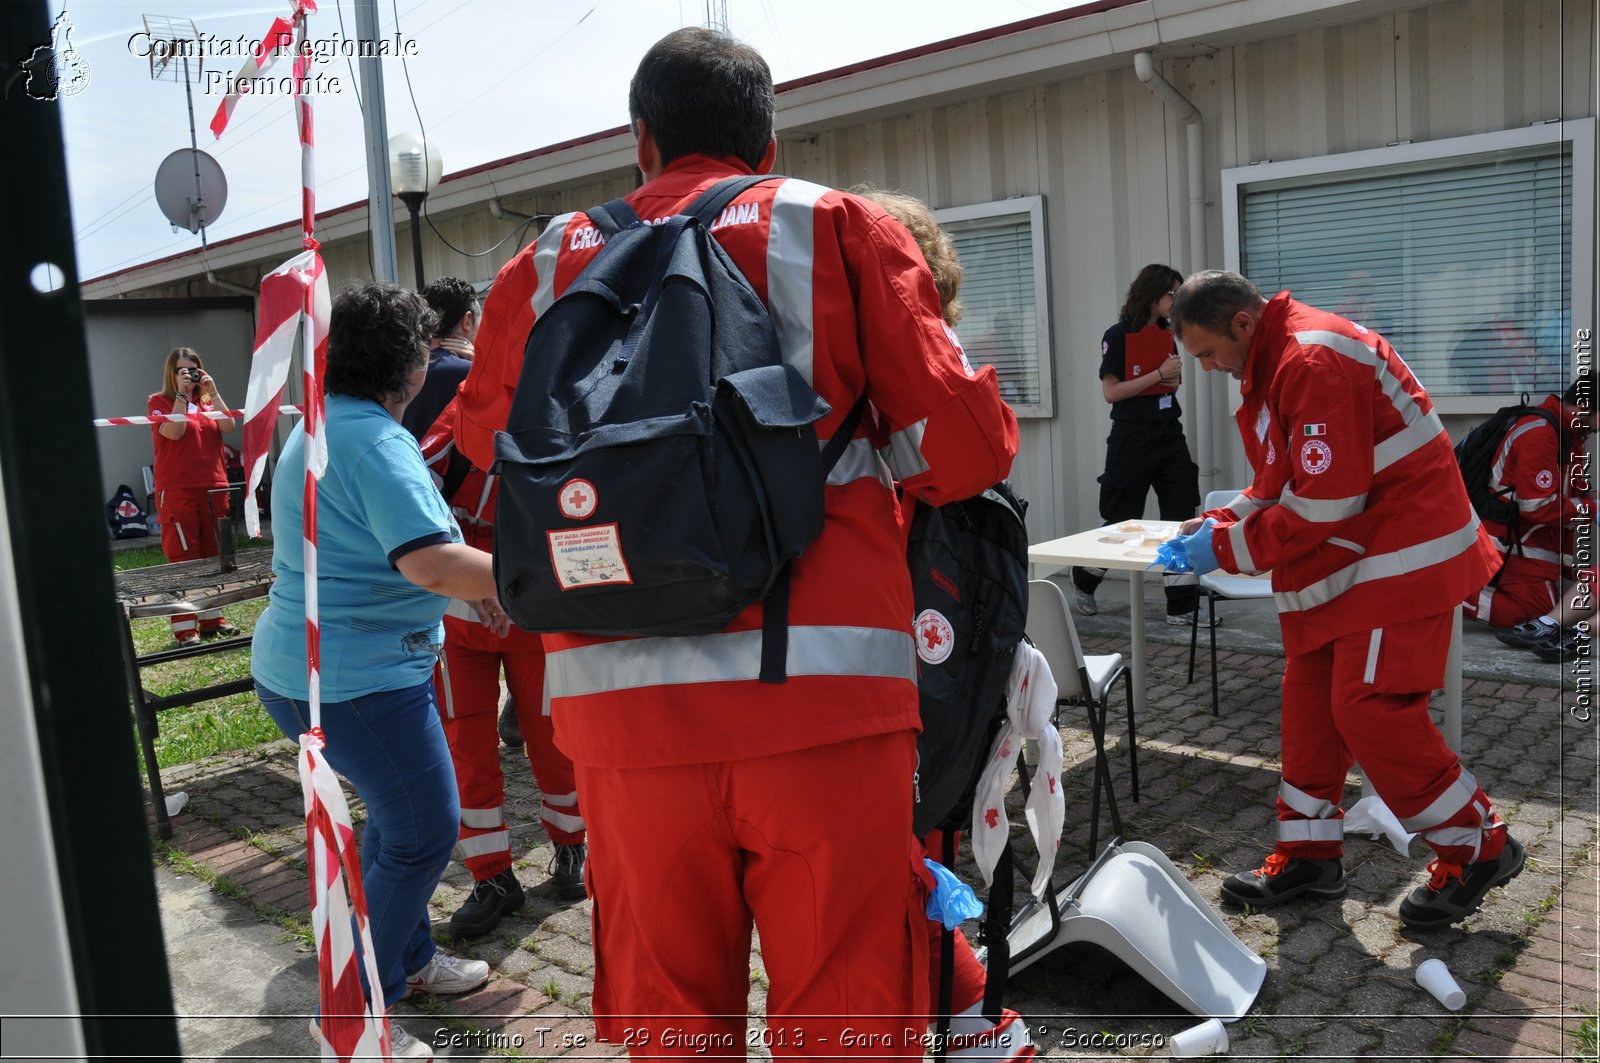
192 374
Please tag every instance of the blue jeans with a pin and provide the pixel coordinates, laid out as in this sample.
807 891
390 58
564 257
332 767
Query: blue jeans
392 749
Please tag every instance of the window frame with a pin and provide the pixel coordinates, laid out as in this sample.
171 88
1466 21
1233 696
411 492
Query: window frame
1577 135
1031 208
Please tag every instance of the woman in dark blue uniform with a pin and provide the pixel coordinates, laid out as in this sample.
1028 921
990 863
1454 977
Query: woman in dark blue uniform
1139 376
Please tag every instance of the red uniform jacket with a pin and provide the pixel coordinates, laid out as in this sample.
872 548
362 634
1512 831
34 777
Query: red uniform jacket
856 312
1549 489
194 459
1357 505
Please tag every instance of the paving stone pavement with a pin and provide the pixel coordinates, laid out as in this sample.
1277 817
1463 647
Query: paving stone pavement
1340 979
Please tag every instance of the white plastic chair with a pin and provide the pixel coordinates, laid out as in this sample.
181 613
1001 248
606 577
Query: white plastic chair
1221 585
1082 680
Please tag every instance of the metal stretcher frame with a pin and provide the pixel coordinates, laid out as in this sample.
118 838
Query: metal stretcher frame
184 587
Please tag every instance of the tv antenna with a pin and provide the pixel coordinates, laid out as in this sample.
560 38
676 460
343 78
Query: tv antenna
717 15
190 187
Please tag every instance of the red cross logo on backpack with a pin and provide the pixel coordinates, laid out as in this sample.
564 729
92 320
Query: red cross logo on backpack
578 499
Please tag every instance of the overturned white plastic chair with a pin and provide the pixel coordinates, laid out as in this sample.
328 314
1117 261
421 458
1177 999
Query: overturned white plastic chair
1083 680
1134 903
1227 587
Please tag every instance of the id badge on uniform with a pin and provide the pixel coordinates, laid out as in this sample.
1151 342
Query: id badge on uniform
1164 403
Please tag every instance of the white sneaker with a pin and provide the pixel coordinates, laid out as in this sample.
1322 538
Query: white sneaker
401 1044
447 975
1085 602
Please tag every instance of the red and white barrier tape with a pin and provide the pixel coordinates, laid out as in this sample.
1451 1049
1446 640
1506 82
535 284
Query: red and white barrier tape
210 415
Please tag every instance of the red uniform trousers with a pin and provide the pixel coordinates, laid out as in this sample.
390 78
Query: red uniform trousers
1364 698
468 682
188 517
814 848
1526 590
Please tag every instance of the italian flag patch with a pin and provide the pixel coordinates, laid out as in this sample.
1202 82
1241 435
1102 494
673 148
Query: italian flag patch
1311 430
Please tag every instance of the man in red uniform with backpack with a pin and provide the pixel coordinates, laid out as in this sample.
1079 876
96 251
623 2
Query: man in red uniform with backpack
717 801
1359 511
1540 472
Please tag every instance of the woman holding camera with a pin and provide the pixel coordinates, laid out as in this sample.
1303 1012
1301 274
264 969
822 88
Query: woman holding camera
191 480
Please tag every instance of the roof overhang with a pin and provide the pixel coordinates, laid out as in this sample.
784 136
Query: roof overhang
1101 36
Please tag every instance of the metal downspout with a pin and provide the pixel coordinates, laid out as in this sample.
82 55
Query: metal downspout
1202 393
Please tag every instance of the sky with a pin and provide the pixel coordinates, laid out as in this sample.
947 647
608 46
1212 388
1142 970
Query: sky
491 78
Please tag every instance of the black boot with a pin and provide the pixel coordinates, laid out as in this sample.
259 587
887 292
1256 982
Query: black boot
1284 878
491 899
1452 892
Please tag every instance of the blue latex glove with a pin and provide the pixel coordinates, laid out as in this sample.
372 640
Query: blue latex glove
1198 548
952 900
1172 556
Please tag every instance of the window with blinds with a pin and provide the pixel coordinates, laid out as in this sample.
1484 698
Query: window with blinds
1004 322
1463 264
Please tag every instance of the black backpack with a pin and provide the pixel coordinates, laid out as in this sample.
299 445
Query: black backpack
969 587
660 466
1475 456
127 520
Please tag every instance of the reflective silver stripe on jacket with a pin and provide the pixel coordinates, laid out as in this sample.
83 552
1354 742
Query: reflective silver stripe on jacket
729 656
484 818
1380 566
904 452
1456 796
485 844
544 262
1348 544
1420 428
1310 830
1410 439
1323 510
1497 472
858 461
791 254
1304 803
1243 505
1241 548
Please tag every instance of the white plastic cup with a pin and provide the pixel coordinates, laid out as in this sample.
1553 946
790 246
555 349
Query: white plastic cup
1208 1039
176 802
1436 978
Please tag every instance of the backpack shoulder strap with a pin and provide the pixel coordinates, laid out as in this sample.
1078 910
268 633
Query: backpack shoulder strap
714 200
613 217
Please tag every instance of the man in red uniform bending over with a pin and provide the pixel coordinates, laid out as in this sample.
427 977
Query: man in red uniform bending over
1359 511
716 801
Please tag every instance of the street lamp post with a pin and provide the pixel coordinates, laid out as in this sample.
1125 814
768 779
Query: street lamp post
415 167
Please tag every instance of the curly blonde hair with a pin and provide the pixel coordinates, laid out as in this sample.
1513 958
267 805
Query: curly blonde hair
937 248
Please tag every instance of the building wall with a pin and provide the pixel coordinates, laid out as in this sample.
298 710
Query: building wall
1109 159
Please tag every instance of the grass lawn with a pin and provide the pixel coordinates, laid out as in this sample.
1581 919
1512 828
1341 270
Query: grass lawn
217 726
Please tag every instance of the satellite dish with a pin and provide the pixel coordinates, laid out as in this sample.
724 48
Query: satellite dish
190 189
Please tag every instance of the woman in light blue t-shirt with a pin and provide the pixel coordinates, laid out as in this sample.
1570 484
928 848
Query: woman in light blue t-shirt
389 555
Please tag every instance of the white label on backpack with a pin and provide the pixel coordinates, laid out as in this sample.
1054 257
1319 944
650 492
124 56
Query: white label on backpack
578 499
935 637
586 557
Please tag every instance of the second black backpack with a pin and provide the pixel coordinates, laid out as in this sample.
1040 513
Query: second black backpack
660 465
1475 456
969 586
127 520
